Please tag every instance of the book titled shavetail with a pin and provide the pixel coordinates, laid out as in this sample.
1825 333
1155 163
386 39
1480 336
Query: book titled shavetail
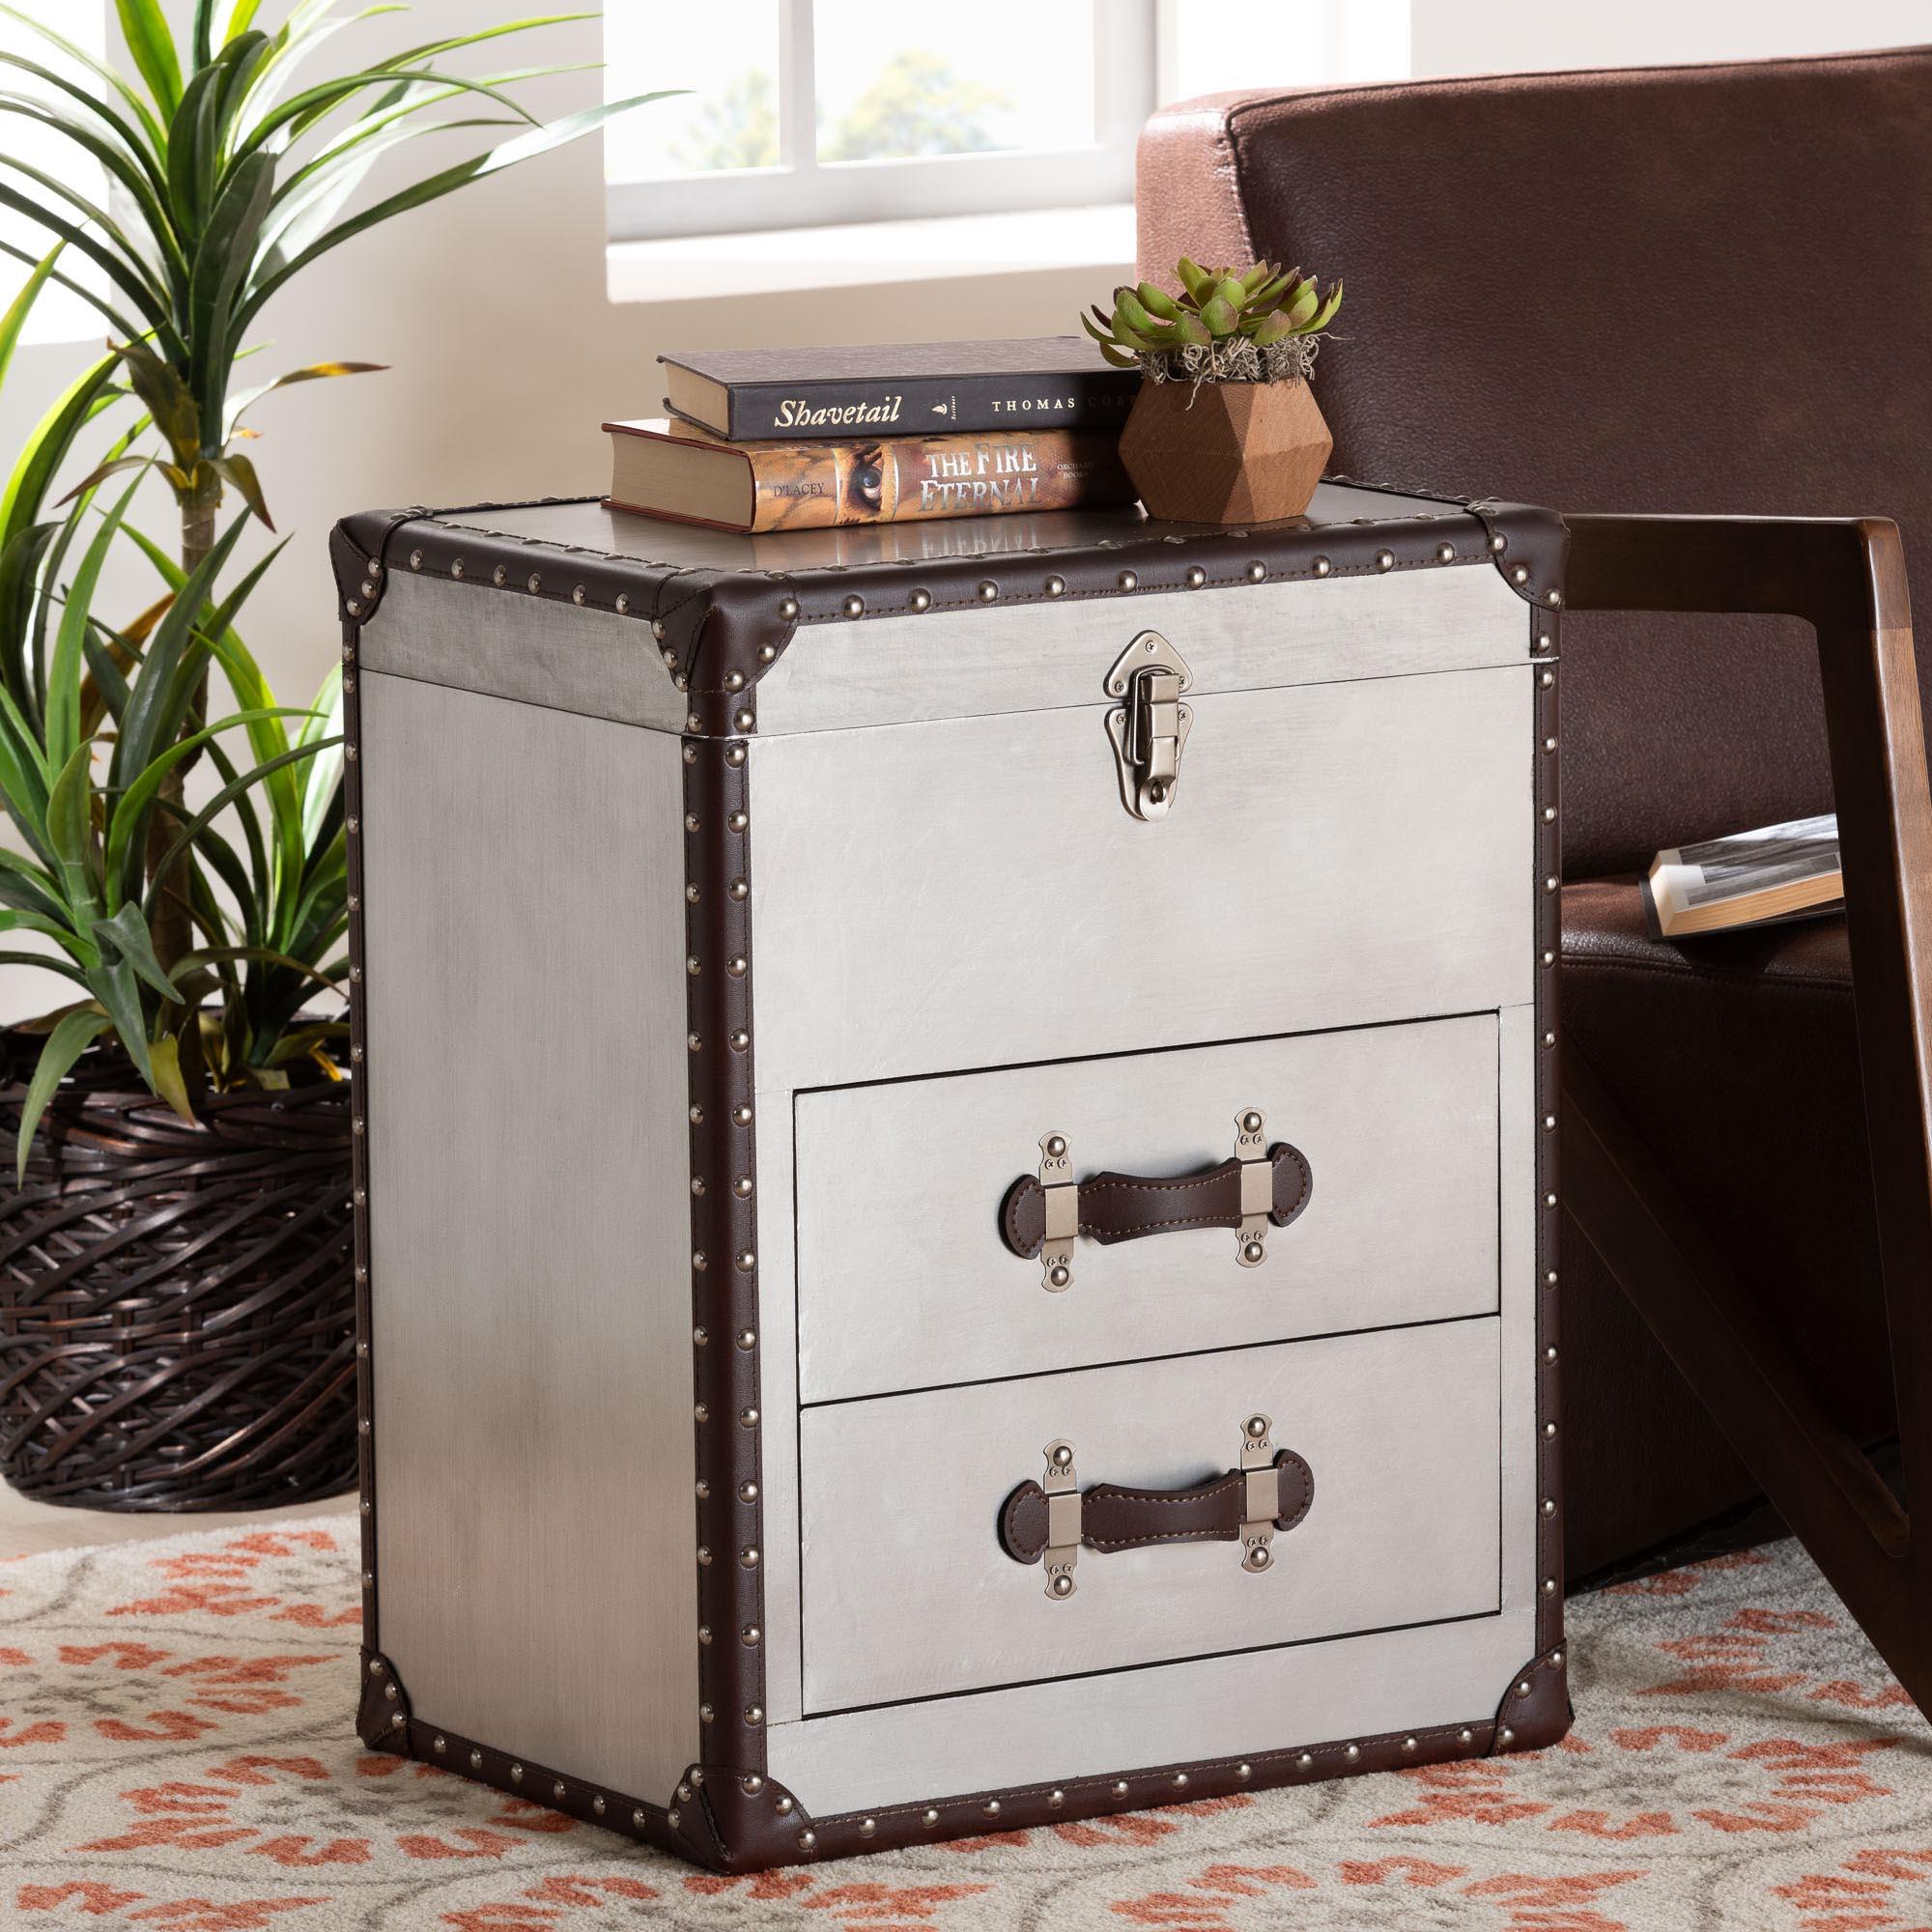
902 388
677 472
1751 878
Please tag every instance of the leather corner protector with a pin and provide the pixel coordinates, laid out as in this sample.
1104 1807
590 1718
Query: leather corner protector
358 549
752 1823
1534 548
1535 1710
382 1710
724 639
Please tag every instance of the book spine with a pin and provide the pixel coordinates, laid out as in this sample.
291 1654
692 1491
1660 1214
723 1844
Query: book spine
904 479
925 405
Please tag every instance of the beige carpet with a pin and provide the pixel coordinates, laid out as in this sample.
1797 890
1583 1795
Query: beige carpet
175 1753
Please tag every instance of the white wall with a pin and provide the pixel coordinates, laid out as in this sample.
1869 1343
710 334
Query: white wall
1505 35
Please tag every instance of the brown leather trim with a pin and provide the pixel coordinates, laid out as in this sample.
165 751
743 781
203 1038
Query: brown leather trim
383 1710
892 1827
1124 1207
356 546
1113 1518
726 1344
721 631
1548 675
1535 1710
1528 544
359 1155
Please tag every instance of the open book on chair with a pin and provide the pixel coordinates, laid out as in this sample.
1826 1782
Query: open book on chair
1750 878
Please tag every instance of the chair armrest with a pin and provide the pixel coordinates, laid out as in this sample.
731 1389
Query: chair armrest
1831 571
1846 577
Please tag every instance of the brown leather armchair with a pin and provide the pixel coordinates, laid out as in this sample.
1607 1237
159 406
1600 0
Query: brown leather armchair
1702 289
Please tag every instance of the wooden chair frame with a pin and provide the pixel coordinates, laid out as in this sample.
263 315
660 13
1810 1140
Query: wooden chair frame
1846 578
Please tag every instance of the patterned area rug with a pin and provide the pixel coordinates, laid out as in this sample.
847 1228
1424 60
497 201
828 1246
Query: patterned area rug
175 1753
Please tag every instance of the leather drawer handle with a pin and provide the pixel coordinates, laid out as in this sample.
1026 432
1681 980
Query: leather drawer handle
1054 1518
1254 1189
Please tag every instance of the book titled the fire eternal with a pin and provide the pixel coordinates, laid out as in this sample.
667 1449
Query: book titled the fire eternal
677 472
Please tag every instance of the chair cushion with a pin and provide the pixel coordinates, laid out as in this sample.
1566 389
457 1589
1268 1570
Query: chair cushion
1571 289
1735 1057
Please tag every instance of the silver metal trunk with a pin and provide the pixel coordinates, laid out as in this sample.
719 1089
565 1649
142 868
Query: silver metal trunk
705 1373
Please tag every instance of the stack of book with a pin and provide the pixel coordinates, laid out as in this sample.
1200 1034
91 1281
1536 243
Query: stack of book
807 439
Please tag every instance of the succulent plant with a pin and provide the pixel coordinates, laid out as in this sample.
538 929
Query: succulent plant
1222 325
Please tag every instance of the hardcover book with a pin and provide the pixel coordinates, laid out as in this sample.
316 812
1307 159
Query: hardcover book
676 471
1751 878
912 388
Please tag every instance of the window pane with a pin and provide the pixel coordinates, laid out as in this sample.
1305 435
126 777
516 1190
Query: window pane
726 53
896 81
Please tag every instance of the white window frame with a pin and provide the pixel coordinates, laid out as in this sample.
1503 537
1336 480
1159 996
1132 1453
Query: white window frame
803 192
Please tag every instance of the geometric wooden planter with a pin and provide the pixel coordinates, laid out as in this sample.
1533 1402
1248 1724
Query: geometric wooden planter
176 1302
1225 452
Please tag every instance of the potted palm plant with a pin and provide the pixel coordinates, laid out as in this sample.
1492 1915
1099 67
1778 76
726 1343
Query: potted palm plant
1225 429
176 1249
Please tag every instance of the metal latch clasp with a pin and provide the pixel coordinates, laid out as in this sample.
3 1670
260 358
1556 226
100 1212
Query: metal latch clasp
1062 1519
1149 730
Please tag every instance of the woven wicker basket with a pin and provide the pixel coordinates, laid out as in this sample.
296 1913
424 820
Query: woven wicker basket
176 1303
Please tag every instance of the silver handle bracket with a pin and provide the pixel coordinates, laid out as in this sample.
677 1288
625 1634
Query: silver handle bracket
1062 1519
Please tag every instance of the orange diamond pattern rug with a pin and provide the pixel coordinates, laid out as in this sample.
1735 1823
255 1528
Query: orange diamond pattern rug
176 1754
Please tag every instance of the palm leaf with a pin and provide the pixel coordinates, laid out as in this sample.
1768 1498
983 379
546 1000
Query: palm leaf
47 447
125 271
23 885
169 401
225 862
320 780
21 560
20 307
314 372
221 799
109 313
120 168
71 832
292 43
138 150
145 28
236 468
144 114
127 933
307 202
169 1082
202 34
151 720
55 928
267 738
521 148
63 712
118 988
23 783
71 1037
128 819
223 261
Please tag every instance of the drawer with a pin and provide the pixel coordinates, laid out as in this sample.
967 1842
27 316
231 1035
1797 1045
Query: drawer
906 1592
969 891
905 1282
